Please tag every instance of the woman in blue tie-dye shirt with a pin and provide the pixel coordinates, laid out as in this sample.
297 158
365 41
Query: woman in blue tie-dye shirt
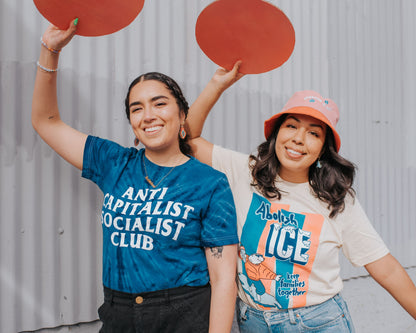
169 224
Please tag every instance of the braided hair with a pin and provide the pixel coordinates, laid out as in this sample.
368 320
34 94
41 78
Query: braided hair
175 90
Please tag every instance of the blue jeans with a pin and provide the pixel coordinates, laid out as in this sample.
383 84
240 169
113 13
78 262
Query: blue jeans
329 316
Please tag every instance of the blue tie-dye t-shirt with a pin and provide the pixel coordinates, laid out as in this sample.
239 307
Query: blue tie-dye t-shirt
154 238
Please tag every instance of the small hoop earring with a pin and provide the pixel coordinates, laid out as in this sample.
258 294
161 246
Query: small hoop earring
136 141
318 164
182 133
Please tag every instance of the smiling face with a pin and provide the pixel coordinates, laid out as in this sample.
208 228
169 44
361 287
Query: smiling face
298 145
155 117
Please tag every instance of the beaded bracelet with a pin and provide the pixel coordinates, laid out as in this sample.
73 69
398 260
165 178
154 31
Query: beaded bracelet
48 70
50 49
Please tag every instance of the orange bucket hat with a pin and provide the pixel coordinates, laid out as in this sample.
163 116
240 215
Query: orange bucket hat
310 103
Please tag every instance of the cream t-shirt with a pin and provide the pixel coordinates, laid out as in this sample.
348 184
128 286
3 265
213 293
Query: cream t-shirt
289 248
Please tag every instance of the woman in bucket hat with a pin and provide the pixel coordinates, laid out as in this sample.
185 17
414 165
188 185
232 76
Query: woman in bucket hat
169 224
296 209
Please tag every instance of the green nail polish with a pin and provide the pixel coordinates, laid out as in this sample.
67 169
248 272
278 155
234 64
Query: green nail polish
76 21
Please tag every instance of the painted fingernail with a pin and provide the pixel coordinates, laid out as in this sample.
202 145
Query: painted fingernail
76 21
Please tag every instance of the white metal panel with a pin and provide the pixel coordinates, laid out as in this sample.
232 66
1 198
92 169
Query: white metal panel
372 78
359 53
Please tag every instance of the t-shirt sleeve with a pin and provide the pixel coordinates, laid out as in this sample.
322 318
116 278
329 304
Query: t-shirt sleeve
219 223
100 157
232 163
361 242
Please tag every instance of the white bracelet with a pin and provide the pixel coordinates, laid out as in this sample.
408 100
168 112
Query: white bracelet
48 70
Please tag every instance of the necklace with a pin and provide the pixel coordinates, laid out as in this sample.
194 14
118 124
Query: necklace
147 177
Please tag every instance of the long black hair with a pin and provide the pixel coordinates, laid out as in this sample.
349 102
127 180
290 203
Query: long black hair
330 183
175 90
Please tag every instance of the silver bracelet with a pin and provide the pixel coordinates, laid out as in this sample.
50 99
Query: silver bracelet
48 70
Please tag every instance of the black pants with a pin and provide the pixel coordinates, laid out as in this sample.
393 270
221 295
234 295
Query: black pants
183 309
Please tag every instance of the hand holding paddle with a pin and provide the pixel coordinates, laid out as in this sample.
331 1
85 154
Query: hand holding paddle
223 79
55 38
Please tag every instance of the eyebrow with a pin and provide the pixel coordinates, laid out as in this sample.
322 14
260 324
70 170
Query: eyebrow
311 124
153 99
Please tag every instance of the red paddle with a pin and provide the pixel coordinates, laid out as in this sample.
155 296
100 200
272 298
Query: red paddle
96 17
253 31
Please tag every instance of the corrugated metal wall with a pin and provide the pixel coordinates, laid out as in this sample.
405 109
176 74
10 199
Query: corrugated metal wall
360 53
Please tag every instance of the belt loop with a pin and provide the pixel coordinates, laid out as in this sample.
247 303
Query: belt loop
243 310
292 317
167 296
111 300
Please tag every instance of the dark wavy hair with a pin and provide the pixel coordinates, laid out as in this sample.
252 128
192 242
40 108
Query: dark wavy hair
175 90
330 183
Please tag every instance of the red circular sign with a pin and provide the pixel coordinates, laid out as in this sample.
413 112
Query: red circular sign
253 31
96 17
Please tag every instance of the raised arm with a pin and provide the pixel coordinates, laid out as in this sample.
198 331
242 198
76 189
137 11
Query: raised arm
200 109
222 266
390 274
66 141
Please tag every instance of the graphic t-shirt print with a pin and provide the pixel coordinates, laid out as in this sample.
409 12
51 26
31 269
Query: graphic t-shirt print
278 248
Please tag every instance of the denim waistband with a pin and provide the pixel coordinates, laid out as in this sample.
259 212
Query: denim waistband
115 296
245 307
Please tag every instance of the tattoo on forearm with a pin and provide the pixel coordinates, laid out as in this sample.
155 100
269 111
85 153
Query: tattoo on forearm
217 251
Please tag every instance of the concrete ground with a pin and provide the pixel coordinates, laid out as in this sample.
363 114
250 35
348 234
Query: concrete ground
373 310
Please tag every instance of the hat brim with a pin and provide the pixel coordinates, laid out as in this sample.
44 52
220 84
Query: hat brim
270 123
